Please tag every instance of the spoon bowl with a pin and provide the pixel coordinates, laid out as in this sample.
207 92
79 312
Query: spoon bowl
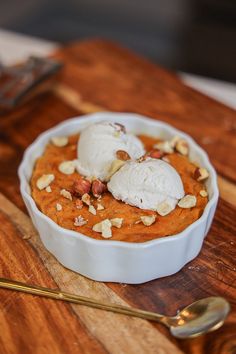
200 317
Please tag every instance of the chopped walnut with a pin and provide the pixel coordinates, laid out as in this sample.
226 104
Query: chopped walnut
106 230
148 220
100 206
182 147
80 221
86 199
66 194
67 167
103 227
203 193
164 209
98 227
117 222
177 143
174 141
59 141
92 210
58 207
188 201
201 174
44 181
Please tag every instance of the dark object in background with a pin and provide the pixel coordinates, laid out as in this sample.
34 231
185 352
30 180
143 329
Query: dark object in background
210 42
24 81
197 36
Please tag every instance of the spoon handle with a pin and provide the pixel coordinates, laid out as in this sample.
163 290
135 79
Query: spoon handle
82 300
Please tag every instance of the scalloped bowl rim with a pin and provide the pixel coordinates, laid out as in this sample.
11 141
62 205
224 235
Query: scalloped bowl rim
89 118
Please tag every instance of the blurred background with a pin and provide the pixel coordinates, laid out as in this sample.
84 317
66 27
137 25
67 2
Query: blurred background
196 36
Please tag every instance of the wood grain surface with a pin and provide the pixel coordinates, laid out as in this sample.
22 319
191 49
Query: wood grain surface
99 75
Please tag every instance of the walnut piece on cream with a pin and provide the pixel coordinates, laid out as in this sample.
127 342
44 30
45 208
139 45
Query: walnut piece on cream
122 155
114 167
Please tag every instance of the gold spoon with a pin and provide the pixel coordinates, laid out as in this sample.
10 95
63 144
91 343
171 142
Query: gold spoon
200 317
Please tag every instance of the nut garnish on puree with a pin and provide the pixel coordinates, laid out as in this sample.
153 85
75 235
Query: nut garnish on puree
108 208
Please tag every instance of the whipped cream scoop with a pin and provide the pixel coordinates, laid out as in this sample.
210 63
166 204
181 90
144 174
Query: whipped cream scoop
97 147
147 184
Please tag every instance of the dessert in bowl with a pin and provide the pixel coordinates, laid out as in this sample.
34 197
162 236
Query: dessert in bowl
119 197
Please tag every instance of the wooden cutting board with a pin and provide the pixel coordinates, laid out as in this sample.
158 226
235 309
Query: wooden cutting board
99 75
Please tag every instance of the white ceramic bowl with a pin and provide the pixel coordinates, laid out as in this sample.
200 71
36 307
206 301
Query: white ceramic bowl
116 261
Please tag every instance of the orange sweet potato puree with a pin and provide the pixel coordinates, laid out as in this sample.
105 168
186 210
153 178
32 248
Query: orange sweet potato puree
170 224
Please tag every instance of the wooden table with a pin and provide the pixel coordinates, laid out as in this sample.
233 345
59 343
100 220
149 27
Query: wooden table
99 75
